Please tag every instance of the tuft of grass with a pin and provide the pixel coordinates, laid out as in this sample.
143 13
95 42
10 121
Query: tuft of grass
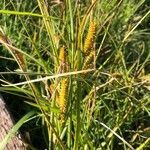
84 67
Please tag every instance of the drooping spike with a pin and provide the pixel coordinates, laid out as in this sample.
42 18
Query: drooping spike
88 44
63 97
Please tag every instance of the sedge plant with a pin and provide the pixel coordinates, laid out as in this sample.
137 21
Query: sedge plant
85 69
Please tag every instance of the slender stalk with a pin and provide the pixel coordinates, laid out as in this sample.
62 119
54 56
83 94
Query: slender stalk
78 123
69 139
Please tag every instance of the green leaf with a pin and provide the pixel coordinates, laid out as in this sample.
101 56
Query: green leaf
14 129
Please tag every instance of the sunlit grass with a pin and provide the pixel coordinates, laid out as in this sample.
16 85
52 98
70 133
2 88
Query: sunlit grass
94 95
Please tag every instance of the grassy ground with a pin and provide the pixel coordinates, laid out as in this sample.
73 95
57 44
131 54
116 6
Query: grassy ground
81 69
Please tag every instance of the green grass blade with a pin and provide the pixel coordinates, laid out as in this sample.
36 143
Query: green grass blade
14 129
